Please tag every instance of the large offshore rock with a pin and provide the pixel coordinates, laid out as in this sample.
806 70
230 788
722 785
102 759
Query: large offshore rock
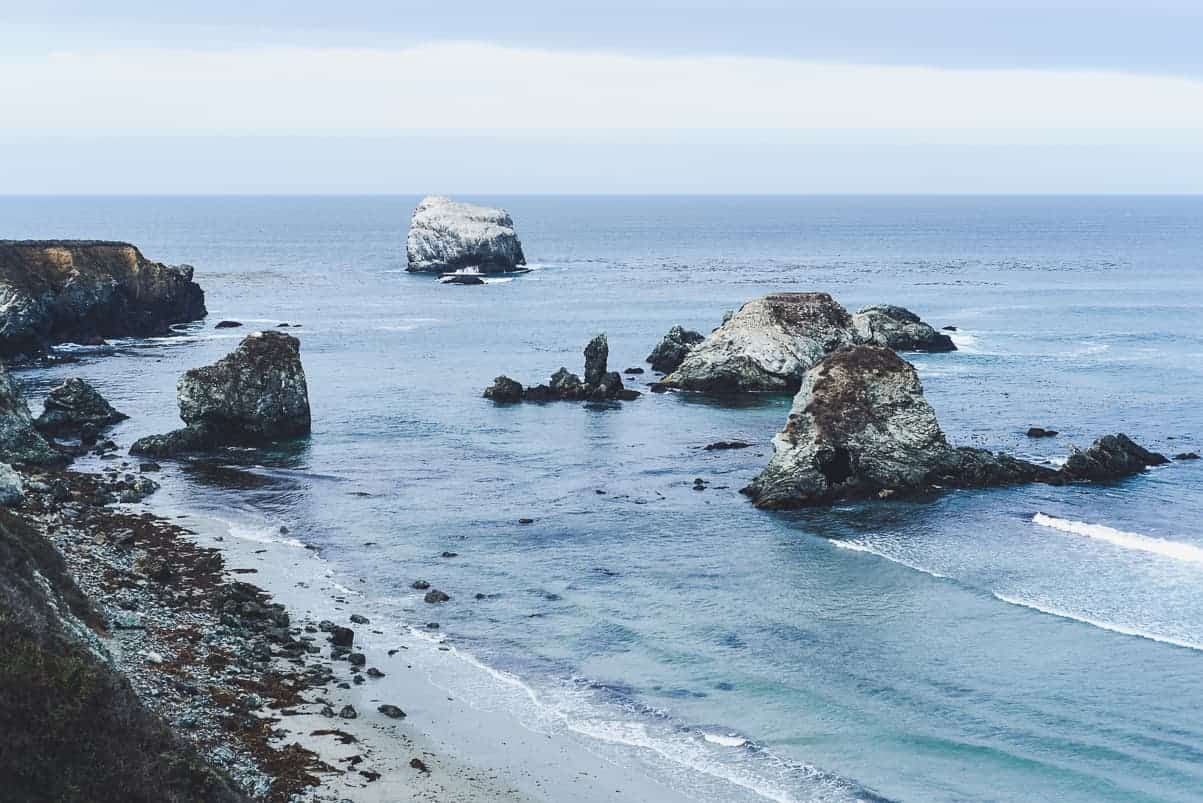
81 291
672 350
255 394
768 344
898 328
20 443
445 235
860 427
74 404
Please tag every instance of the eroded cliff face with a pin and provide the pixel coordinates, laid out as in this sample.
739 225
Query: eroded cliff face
73 729
81 291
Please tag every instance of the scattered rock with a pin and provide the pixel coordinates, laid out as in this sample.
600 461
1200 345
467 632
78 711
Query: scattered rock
419 765
74 404
598 385
726 445
461 278
421 585
348 712
1040 432
1110 457
228 324
391 711
435 596
672 350
504 390
1187 456
373 672
149 467
526 521
82 291
254 395
357 659
359 619
632 370
342 636
949 328
447 236
897 328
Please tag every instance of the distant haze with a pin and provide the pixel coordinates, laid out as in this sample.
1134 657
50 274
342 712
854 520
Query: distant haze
301 97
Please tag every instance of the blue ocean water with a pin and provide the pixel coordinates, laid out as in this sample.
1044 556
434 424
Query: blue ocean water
1024 644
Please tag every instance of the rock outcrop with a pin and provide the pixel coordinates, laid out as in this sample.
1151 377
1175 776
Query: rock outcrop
672 350
73 405
600 384
899 329
20 442
448 236
254 395
861 428
768 344
81 291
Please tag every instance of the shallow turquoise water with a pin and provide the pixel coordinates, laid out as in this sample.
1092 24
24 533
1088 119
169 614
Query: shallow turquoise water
948 649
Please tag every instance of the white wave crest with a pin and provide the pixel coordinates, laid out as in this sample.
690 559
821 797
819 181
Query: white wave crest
856 546
1125 630
1143 543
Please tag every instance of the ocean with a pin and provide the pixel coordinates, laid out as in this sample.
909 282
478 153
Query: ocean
1022 644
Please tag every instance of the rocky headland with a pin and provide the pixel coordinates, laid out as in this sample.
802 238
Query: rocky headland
599 384
83 291
447 236
254 395
861 428
770 342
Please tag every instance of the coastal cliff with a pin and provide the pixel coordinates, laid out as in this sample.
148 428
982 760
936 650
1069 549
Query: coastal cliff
82 291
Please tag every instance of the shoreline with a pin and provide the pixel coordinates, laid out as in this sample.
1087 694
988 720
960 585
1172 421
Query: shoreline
271 716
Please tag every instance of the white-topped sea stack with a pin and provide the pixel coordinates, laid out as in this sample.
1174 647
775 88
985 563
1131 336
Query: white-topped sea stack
447 236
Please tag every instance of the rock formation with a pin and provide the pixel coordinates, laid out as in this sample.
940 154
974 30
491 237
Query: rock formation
73 405
897 328
861 428
20 443
768 344
600 383
448 236
254 395
671 351
81 291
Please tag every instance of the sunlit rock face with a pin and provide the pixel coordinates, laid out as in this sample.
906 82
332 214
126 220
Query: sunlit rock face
446 235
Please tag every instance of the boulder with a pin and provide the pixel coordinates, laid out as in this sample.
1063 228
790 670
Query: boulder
861 428
74 404
81 291
671 351
447 236
254 395
897 328
20 442
767 345
504 390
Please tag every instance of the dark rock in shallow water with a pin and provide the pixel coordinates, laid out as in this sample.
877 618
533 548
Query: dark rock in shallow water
256 394
632 371
504 390
420 585
726 445
860 428
1187 456
20 442
1040 432
391 711
81 291
342 636
461 278
897 328
597 354
447 236
672 350
435 596
74 404
228 324
600 384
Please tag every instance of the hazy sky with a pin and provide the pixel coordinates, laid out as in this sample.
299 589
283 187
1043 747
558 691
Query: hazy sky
222 96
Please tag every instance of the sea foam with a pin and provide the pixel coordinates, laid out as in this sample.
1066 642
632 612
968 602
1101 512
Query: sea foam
1125 540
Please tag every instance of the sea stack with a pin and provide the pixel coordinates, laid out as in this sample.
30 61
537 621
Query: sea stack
82 291
254 395
767 345
860 428
446 236
672 350
897 328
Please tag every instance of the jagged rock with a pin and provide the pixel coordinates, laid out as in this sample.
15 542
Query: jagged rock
1040 432
228 324
1187 456
447 236
671 351
434 596
504 389
20 443
599 384
767 345
253 395
462 278
597 355
860 428
12 487
719 445
1110 457
897 328
73 405
81 291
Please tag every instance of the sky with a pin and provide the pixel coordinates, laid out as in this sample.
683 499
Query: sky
129 96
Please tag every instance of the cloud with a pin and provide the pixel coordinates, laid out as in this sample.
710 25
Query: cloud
489 89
